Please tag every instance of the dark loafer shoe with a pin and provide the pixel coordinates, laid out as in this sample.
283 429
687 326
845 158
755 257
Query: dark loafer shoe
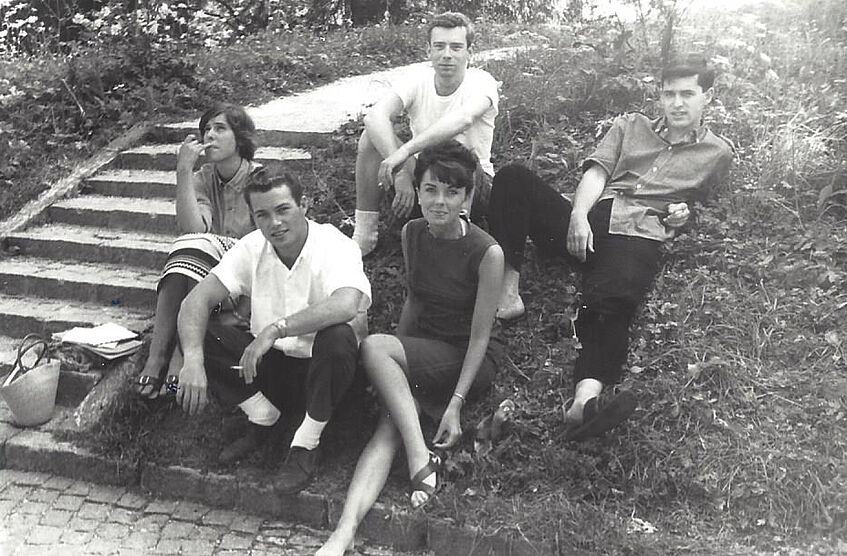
252 440
297 471
597 418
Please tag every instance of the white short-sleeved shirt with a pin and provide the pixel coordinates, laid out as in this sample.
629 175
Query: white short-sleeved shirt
425 107
329 261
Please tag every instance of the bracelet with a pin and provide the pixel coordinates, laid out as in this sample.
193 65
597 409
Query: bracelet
461 397
281 327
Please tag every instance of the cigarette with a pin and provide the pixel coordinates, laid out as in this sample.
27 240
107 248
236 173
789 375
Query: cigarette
236 367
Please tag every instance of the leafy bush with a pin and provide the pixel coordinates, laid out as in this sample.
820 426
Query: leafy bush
95 89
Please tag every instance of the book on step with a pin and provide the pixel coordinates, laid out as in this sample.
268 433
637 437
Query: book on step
109 341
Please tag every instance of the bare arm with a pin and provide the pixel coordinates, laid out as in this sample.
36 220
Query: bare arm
342 306
191 325
580 236
447 127
188 215
487 297
379 124
408 313
407 316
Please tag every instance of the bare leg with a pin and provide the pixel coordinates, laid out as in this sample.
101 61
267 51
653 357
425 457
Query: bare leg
368 192
511 305
368 480
384 361
586 389
172 291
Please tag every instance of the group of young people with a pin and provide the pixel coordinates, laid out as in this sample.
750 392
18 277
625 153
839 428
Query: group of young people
266 309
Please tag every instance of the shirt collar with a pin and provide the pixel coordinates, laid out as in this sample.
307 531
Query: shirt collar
305 252
308 246
660 126
237 181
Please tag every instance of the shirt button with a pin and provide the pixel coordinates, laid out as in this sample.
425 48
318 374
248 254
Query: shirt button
654 168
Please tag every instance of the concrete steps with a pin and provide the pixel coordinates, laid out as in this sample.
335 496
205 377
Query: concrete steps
89 244
163 157
8 351
103 283
45 315
176 132
132 183
96 257
117 213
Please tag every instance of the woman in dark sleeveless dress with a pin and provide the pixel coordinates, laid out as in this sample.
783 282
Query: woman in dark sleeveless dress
443 353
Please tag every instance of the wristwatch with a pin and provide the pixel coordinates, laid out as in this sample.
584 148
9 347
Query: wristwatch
281 327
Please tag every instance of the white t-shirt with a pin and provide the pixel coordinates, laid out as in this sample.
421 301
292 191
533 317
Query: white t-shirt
425 107
329 261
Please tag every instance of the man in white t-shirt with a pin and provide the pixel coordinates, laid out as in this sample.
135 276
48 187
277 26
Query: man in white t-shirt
446 101
309 297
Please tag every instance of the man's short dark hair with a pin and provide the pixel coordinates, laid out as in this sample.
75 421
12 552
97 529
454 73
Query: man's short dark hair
450 162
687 66
260 181
242 127
450 20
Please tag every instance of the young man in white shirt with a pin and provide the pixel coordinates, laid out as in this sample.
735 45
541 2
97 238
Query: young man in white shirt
309 298
446 101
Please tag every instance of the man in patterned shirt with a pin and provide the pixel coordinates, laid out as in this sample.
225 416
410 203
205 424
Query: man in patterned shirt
633 196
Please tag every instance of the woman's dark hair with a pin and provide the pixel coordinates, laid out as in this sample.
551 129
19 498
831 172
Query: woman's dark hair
242 127
690 65
450 162
260 181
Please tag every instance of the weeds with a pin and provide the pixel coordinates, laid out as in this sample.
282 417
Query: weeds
737 357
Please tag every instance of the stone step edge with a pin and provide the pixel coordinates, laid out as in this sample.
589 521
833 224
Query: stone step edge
176 132
63 187
39 451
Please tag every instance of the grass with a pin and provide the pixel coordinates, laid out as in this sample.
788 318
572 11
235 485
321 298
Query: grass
737 359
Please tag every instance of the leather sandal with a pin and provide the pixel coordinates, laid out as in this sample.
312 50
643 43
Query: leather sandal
155 382
172 384
418 484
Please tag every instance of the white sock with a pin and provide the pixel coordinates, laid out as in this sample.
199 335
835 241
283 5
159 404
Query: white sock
308 435
366 230
260 410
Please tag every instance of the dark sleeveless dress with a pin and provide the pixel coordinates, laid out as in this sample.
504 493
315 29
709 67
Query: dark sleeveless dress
443 278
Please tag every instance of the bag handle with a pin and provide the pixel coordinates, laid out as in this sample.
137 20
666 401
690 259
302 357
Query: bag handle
29 342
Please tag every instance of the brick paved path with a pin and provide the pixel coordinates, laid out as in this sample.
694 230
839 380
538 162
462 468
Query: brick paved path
49 514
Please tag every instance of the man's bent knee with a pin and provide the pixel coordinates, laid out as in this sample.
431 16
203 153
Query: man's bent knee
336 341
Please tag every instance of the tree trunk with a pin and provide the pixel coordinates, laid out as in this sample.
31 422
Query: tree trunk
398 11
364 12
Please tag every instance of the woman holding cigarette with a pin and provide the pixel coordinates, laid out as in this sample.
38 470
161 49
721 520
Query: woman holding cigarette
211 214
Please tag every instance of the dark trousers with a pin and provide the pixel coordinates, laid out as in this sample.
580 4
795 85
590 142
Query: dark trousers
615 278
292 384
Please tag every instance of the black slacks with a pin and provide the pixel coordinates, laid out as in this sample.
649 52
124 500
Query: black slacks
615 278
292 384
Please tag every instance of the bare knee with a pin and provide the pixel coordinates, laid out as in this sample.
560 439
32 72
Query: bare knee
366 149
375 349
